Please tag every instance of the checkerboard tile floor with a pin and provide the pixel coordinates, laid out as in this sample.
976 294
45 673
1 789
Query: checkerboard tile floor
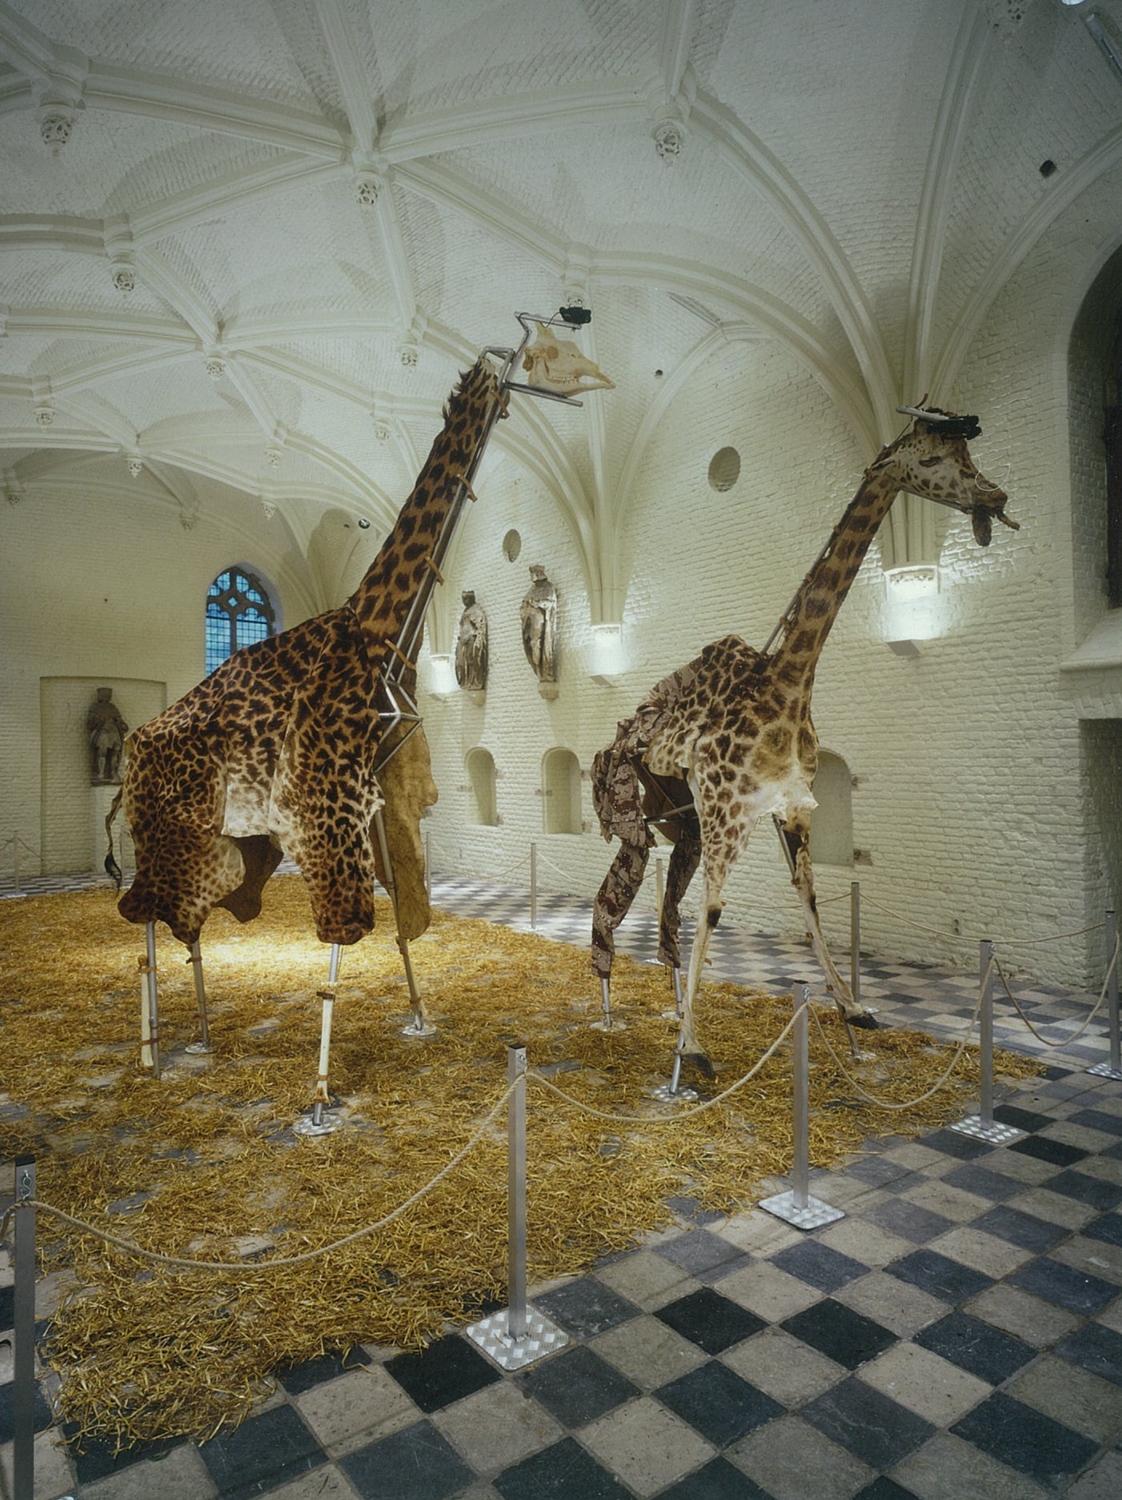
957 1334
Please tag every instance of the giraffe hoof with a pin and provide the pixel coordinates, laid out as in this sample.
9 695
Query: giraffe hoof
865 1021
701 1062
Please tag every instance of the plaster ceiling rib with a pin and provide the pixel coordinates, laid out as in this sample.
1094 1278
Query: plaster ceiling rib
76 323
767 175
64 232
252 331
1103 156
762 310
970 52
85 375
24 46
161 97
679 25
440 186
380 503
354 86
595 102
56 436
394 256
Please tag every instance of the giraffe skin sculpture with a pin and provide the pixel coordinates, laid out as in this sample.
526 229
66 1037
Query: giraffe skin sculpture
728 738
296 744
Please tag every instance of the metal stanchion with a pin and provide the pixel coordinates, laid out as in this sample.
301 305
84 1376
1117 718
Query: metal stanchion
983 1126
149 1004
203 1044
607 1021
23 1390
659 887
428 864
321 1121
533 885
517 1335
855 938
797 1207
15 863
1113 1067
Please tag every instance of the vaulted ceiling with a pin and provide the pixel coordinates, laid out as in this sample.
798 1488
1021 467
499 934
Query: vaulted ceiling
248 246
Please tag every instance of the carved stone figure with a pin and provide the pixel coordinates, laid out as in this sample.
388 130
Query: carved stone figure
471 645
538 612
106 731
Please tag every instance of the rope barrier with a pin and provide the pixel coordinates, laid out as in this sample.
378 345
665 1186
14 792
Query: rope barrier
962 937
1067 1041
517 865
909 1103
188 1263
552 866
658 1120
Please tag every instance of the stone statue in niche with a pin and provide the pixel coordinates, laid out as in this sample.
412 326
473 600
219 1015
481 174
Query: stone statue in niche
539 629
471 645
105 730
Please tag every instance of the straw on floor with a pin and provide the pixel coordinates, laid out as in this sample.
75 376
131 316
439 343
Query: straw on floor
204 1162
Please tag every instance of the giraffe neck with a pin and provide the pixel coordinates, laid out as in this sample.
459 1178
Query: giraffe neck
394 592
822 592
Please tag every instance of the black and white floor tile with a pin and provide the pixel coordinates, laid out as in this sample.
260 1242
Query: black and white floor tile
957 1334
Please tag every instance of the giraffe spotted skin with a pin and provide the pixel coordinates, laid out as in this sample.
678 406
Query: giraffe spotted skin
279 748
731 733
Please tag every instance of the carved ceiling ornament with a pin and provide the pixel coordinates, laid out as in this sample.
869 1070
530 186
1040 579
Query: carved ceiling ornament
215 366
135 467
44 414
124 279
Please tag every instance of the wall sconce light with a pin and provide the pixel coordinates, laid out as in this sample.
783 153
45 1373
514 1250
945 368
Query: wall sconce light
914 611
443 682
606 655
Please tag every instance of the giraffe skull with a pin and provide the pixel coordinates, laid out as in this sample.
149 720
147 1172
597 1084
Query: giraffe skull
557 365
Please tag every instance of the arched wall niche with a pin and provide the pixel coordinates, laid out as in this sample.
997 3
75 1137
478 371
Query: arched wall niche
483 804
561 802
831 823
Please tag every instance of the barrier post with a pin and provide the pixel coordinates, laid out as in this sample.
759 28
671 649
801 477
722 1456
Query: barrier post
797 1207
533 884
855 938
15 863
517 1335
428 864
659 891
516 1193
983 1126
23 1391
1112 1068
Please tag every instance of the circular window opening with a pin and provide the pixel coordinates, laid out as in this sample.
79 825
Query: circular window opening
512 546
724 469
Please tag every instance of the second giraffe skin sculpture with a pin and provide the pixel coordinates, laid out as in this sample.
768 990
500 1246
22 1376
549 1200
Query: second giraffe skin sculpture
728 738
310 743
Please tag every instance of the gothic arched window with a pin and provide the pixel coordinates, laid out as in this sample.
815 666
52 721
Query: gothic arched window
238 613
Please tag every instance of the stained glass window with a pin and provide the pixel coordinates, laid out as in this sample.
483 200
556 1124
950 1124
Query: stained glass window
238 613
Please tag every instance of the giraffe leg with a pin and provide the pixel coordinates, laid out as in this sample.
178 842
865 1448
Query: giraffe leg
684 860
709 916
613 901
794 835
419 1026
196 962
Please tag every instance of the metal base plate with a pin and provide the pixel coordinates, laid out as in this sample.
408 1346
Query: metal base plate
811 1215
305 1125
667 1095
418 1032
542 1337
993 1131
672 1015
1104 1070
606 1026
198 1049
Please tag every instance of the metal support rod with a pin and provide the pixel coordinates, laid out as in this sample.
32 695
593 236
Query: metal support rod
985 1032
23 1391
200 994
1112 989
533 885
15 862
606 1001
855 939
516 1194
659 891
322 1097
428 864
800 1165
150 1005
679 1000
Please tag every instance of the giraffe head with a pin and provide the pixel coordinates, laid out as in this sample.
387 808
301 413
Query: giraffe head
931 460
558 366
